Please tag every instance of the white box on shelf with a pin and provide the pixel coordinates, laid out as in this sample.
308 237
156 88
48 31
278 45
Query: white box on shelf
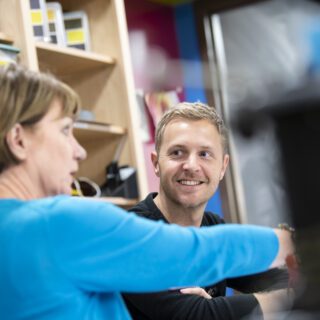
77 30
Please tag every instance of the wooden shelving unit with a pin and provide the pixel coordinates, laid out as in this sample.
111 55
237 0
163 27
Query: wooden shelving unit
90 131
122 202
4 38
65 61
101 77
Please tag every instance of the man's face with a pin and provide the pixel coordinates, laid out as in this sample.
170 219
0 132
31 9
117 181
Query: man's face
190 162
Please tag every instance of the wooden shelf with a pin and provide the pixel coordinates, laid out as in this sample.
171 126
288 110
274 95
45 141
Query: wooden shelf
103 143
102 78
84 130
119 201
5 39
122 202
63 61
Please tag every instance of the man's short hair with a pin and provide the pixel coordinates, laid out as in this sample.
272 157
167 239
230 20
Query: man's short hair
192 111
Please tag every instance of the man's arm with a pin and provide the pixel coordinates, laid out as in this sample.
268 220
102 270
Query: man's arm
175 305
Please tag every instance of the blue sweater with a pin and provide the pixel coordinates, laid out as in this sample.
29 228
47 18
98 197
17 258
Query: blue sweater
68 258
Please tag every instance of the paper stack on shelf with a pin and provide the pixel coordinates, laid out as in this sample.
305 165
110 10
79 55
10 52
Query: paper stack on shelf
50 24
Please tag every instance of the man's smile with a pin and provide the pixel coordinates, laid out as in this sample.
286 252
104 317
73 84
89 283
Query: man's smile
190 182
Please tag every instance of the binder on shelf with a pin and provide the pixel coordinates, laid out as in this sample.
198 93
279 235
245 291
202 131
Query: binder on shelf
56 24
8 54
77 30
39 20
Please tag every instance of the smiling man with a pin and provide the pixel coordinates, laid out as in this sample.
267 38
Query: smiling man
191 159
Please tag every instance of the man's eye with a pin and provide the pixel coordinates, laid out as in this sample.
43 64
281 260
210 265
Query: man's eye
176 153
205 154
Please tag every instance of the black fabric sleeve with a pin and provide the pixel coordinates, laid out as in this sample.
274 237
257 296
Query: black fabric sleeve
272 279
178 306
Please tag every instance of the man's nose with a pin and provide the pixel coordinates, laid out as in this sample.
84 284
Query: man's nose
191 163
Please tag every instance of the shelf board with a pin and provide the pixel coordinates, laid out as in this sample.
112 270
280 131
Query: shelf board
4 38
86 130
118 201
64 61
122 202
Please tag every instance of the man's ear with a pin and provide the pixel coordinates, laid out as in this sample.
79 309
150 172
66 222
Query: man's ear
16 141
155 162
224 166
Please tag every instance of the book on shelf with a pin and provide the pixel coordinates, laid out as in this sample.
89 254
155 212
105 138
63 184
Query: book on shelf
77 30
39 20
8 54
56 23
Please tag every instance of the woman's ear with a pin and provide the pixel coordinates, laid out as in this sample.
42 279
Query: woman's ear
16 141
154 159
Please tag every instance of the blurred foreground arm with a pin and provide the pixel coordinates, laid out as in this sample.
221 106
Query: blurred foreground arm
286 247
274 302
277 301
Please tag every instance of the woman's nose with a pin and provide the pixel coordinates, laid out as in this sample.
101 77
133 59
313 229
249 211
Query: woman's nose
79 152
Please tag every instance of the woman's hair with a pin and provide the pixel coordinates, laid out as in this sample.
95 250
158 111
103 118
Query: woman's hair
25 97
191 111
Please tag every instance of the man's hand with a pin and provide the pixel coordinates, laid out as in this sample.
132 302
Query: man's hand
196 290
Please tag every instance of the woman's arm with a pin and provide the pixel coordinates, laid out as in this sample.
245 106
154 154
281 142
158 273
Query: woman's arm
102 247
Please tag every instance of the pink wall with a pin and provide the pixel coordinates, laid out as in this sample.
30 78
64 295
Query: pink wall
154 49
153 44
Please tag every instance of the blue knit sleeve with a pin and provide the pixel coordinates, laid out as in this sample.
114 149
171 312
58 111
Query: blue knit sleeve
101 247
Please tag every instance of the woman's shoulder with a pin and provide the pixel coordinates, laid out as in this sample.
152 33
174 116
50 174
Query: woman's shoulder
57 207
